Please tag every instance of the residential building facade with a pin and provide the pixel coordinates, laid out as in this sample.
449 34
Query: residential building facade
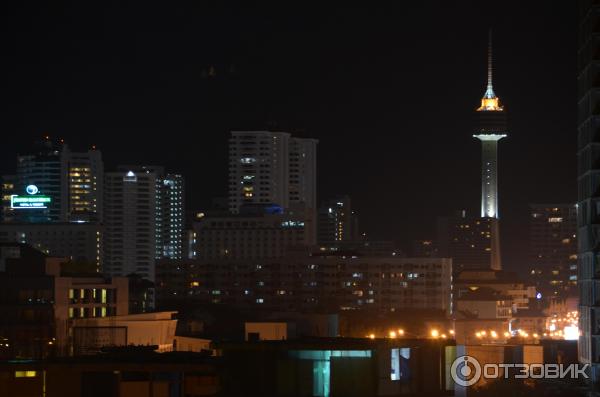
317 282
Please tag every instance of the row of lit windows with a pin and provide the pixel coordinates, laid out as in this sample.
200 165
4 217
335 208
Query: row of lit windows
81 312
83 294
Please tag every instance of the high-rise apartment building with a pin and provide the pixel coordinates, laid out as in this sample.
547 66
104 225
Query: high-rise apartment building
130 223
469 241
170 216
85 180
336 222
144 219
258 168
303 172
271 168
54 184
553 248
588 181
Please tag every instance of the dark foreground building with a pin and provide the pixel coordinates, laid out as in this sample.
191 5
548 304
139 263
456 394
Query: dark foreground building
337 367
140 374
318 367
588 183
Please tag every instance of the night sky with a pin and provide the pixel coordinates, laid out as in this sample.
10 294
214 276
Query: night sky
389 92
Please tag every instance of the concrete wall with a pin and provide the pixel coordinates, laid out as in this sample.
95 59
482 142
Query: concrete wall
144 329
267 331
186 344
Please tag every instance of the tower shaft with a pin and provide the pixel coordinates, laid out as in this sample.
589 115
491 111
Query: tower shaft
489 174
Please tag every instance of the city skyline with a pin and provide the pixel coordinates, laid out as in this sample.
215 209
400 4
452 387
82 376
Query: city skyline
352 118
209 199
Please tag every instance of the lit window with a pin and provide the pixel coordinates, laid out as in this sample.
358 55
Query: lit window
25 374
399 364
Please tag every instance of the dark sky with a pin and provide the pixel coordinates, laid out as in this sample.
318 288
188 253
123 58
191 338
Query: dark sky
388 90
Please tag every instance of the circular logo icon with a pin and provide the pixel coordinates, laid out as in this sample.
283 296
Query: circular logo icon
31 189
465 371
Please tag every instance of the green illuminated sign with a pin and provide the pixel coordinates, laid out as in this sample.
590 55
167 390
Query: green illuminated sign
33 200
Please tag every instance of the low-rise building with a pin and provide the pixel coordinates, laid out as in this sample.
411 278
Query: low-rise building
504 283
531 321
90 335
39 302
485 303
80 242
320 282
129 372
338 367
258 231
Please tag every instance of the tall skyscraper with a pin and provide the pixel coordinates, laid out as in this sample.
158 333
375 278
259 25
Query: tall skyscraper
170 216
258 168
336 222
70 182
130 223
144 219
303 171
588 181
469 241
490 128
268 167
553 248
85 181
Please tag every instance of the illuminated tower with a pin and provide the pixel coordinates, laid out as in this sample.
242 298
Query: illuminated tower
490 128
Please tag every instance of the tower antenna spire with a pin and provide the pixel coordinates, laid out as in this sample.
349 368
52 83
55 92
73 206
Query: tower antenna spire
490 88
490 101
